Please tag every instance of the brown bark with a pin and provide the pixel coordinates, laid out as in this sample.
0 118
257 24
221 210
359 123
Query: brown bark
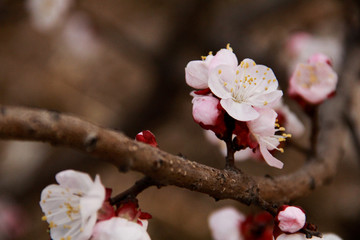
167 169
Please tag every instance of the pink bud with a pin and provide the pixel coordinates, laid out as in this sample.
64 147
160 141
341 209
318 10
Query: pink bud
205 110
147 137
291 219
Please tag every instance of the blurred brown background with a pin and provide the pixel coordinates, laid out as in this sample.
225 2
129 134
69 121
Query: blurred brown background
120 64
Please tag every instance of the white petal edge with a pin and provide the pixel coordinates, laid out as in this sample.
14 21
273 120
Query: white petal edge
239 111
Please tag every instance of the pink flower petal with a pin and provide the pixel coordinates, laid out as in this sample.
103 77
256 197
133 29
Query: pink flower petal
196 74
224 57
222 80
270 159
239 111
205 110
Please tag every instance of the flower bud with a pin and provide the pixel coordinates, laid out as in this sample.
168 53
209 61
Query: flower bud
291 219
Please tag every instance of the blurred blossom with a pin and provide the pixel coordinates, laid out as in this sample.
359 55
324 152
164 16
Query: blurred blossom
229 224
301 45
314 81
118 228
79 37
20 162
47 14
13 223
225 224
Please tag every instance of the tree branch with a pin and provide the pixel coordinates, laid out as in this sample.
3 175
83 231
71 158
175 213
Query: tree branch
167 169
164 168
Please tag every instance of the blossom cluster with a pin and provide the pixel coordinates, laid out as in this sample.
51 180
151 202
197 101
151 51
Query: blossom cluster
243 102
78 208
229 224
237 100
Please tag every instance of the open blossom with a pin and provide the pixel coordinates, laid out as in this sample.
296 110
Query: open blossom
118 228
197 71
263 131
314 81
243 88
291 219
71 207
46 14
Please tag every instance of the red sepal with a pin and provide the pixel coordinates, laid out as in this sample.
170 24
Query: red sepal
147 137
258 227
205 91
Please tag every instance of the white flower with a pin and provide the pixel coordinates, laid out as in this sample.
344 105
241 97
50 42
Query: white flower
71 207
225 224
243 88
197 71
301 236
117 228
263 129
46 14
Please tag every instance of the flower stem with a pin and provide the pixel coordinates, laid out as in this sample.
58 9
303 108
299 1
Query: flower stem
133 191
230 159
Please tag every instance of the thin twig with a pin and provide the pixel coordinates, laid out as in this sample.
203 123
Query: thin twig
133 191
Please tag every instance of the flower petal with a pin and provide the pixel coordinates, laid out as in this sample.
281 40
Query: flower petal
270 159
119 229
196 74
265 99
224 57
221 81
92 201
264 124
239 111
74 179
224 224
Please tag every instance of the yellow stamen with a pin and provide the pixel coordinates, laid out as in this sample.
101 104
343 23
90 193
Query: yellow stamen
228 47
